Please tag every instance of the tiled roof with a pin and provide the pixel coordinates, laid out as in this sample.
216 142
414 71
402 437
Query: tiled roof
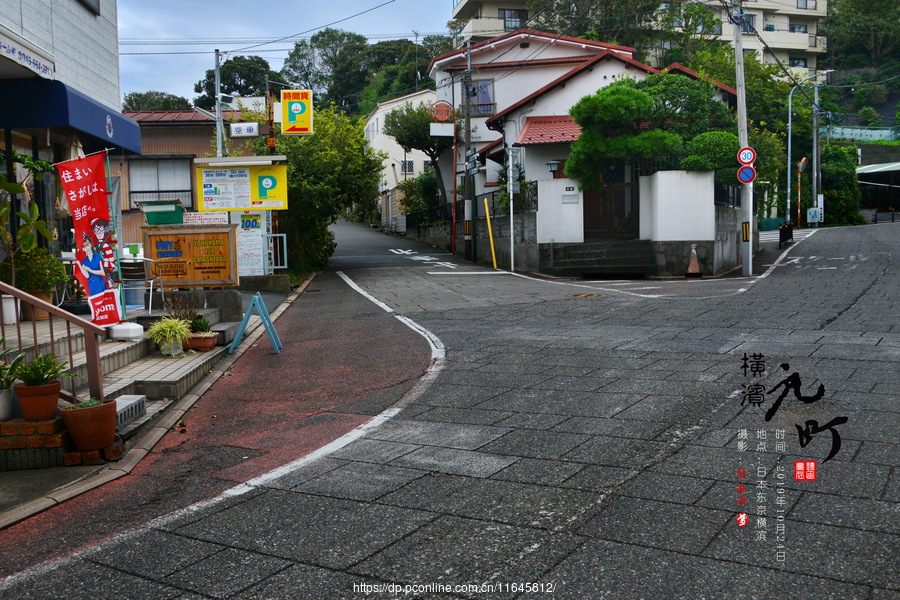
548 130
177 116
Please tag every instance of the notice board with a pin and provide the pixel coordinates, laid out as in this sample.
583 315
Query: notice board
194 256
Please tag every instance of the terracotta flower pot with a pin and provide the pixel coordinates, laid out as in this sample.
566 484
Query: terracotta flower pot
91 428
201 342
38 402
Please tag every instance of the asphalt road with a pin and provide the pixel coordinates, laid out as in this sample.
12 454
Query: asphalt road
569 440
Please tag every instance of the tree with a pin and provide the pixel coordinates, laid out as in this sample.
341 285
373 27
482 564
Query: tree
840 186
411 127
687 27
863 32
138 101
327 173
612 128
614 21
242 75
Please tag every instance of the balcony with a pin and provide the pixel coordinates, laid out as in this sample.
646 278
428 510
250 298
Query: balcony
483 29
784 39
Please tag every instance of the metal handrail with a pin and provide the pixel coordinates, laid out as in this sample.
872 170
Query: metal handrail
91 333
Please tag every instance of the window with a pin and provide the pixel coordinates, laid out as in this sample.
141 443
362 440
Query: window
406 167
91 5
427 165
482 103
806 4
162 179
748 23
797 28
513 18
800 63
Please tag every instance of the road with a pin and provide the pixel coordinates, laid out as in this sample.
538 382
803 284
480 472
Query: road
573 440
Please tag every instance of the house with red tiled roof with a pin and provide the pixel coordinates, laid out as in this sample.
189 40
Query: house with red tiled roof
523 85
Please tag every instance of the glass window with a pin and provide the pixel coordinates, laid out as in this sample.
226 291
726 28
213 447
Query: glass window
748 23
797 28
406 167
797 62
513 18
163 179
483 102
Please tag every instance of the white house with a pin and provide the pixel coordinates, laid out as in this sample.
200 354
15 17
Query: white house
399 165
525 83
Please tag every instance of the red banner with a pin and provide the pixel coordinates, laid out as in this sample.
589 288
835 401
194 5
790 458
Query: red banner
84 185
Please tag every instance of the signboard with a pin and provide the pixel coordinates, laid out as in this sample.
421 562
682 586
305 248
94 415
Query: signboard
251 242
207 218
441 111
746 156
296 112
244 130
441 129
194 256
812 215
242 188
746 174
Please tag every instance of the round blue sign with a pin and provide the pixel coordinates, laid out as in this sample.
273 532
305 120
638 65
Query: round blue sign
746 174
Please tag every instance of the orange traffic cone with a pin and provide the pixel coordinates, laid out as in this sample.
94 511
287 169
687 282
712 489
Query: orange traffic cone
693 271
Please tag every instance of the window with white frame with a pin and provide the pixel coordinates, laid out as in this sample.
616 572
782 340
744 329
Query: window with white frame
799 62
407 167
160 179
482 103
513 18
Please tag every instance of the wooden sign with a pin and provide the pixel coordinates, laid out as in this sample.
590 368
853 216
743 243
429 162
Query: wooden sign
198 256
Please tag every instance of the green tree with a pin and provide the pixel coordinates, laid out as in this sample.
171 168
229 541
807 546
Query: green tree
688 27
863 32
870 116
612 125
327 173
411 127
243 75
712 150
420 193
138 101
840 186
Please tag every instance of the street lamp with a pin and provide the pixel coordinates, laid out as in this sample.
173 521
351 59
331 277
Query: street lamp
790 117
800 167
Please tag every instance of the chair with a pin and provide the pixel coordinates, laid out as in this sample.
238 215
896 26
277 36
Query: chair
137 273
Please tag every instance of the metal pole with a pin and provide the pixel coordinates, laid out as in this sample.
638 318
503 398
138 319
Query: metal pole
218 108
747 188
787 208
815 148
470 179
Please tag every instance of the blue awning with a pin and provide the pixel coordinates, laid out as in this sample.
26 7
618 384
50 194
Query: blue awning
36 102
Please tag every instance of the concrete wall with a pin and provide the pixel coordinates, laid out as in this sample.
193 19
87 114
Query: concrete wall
560 215
677 206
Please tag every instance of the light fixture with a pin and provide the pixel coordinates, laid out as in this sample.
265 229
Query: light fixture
553 166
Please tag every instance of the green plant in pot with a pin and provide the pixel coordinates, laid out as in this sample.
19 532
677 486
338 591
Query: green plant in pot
202 337
7 378
91 424
37 272
169 334
40 385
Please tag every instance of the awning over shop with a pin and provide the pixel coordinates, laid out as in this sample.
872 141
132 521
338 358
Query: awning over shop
36 103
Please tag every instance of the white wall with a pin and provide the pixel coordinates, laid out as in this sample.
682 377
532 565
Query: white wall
677 206
391 173
560 215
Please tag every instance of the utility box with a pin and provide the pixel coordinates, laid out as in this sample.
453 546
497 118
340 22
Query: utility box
162 212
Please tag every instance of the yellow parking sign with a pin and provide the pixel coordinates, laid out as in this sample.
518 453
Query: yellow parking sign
296 112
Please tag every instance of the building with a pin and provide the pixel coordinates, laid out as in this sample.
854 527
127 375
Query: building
791 28
523 85
59 87
399 165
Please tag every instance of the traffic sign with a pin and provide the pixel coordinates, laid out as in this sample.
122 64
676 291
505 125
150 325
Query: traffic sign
746 156
746 174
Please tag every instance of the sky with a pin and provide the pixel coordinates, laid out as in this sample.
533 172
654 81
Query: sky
232 25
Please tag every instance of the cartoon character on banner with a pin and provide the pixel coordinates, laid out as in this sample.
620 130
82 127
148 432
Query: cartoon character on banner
104 245
92 270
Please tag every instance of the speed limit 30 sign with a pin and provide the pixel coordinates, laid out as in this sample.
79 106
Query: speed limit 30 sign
746 156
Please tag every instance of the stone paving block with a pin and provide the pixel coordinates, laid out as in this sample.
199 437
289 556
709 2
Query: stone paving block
495 500
531 421
668 488
599 478
542 472
877 453
374 451
83 580
468 416
892 489
615 571
154 554
328 532
444 393
454 461
724 495
850 479
656 524
449 435
559 402
713 463
453 550
687 409
852 556
620 452
227 572
626 428
309 583
359 481
856 513
304 473
535 444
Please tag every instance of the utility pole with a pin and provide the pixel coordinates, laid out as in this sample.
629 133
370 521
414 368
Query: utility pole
470 208
218 107
746 188
817 168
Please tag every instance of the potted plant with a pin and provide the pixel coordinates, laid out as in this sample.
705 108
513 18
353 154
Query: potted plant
91 424
37 272
169 334
39 391
202 338
7 378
